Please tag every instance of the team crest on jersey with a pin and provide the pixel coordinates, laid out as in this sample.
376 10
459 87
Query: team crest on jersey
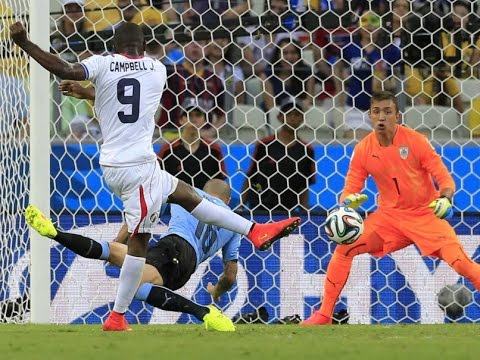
154 218
403 152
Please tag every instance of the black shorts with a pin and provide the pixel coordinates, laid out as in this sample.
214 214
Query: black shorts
174 258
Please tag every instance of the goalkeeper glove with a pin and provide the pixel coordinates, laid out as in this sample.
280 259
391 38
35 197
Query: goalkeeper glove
353 201
442 207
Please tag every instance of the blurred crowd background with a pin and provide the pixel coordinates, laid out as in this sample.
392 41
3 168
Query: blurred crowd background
238 60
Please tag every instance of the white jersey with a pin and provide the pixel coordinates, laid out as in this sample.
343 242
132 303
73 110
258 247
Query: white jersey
127 95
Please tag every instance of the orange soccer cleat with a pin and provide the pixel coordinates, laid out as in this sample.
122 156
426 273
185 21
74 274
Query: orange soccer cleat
264 235
317 319
116 322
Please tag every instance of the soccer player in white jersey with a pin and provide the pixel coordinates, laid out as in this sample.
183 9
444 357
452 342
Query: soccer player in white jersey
128 91
172 260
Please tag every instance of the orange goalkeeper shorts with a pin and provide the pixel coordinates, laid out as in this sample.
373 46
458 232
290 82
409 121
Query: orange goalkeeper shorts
398 229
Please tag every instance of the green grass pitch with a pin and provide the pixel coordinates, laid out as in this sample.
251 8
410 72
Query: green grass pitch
147 342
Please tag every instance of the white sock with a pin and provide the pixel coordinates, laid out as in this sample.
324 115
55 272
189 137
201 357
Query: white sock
210 213
130 277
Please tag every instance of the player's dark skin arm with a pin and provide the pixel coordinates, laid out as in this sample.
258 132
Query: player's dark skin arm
225 282
50 62
75 89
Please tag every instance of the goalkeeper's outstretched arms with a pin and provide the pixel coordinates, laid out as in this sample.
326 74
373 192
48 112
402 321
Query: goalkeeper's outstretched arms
52 63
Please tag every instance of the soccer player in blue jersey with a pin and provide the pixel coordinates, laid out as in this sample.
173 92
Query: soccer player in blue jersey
171 261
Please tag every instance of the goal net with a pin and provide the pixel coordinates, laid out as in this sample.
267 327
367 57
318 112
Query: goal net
244 66
14 169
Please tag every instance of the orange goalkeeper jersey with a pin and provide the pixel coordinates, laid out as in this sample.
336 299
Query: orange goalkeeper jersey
403 171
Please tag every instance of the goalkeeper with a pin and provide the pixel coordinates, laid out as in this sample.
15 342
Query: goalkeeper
171 261
410 210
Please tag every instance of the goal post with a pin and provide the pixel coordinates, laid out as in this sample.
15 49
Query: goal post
40 162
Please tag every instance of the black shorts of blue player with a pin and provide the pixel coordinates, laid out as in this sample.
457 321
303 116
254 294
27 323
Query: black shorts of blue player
175 260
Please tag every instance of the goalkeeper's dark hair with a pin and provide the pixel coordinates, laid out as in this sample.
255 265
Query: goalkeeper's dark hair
384 95
129 36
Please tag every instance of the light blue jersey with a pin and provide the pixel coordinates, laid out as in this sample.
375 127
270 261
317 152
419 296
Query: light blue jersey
205 239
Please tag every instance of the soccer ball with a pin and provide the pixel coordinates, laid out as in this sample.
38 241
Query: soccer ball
344 226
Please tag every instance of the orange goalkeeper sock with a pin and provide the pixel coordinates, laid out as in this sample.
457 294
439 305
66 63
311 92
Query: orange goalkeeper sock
337 275
455 256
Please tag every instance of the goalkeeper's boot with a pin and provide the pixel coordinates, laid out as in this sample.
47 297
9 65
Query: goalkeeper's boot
216 321
116 322
264 235
317 319
37 220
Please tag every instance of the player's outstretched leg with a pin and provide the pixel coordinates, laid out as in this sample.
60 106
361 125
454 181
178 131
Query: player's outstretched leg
37 220
264 235
166 299
79 244
261 235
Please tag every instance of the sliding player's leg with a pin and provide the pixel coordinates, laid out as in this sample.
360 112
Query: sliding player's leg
338 271
261 235
165 299
155 270
113 252
92 249
170 263
79 244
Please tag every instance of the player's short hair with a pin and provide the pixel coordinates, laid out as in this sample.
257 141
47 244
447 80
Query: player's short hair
384 95
217 187
128 35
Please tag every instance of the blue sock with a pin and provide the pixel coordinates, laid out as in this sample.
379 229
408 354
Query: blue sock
105 250
143 291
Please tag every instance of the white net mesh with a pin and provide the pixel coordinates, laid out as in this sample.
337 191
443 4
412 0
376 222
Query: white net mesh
328 56
14 169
